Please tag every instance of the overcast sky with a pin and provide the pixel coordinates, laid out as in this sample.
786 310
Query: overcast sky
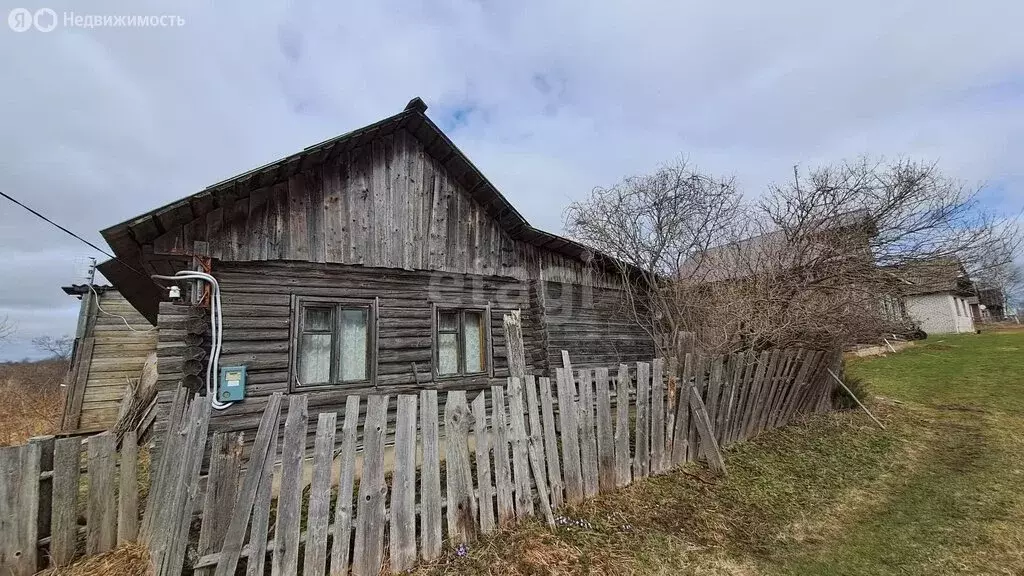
548 98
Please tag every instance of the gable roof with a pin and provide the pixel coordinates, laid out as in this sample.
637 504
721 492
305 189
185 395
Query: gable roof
129 238
934 275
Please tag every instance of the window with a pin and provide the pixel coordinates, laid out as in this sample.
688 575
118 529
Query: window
461 342
334 342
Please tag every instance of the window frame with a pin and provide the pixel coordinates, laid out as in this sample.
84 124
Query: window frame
488 356
337 304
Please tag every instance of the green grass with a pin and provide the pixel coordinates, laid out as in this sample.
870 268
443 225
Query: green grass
938 492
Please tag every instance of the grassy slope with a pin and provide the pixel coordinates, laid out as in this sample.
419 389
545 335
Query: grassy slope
937 492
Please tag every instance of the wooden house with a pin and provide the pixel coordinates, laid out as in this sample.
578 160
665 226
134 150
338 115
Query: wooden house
112 342
381 261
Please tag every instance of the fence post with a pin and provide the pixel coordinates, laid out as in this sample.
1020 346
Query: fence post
19 494
46 448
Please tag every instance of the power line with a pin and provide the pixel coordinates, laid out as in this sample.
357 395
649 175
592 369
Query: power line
72 234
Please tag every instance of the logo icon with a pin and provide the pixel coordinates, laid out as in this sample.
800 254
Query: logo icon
45 19
20 19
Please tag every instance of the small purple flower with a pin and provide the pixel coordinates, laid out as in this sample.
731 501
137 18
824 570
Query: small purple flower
461 550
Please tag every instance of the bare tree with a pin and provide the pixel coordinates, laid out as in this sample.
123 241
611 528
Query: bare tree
7 329
59 347
823 260
656 227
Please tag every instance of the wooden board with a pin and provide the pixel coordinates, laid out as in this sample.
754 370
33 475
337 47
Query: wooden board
461 509
64 524
657 417
319 509
370 513
101 514
244 503
570 436
502 462
605 439
520 449
403 488
289 501
19 500
554 464
623 458
588 436
430 478
128 492
221 488
485 487
342 535
642 460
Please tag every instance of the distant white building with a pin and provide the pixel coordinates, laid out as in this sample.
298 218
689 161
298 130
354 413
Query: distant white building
940 297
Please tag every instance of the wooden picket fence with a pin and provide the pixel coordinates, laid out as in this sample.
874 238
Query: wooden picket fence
443 470
460 470
49 486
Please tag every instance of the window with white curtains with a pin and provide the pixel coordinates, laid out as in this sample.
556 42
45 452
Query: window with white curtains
333 342
461 341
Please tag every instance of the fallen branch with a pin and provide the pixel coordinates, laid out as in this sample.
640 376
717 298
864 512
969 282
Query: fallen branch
855 399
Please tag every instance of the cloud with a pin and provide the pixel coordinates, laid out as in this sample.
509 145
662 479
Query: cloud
548 99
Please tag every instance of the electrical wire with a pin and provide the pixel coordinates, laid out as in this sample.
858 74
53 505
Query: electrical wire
123 319
72 234
216 326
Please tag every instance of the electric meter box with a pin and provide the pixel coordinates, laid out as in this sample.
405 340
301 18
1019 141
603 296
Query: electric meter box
232 384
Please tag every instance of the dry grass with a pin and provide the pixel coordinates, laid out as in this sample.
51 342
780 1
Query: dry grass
33 399
128 560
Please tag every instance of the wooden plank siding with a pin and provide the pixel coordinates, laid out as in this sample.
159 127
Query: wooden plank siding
118 354
388 223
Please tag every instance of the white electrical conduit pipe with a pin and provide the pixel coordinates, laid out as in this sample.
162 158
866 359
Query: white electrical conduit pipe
216 326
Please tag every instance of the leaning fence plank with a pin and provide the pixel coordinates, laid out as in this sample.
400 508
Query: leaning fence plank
535 448
772 387
261 515
19 506
714 393
128 494
707 437
732 363
785 381
588 438
755 387
623 475
221 487
240 515
700 370
403 488
502 462
67 454
341 544
547 405
605 442
657 416
101 519
536 433
370 519
461 510
520 449
289 501
570 436
195 440
314 561
165 469
762 391
750 373
642 460
430 479
485 488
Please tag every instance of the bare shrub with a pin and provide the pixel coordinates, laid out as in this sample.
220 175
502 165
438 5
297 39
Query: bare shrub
33 399
821 261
